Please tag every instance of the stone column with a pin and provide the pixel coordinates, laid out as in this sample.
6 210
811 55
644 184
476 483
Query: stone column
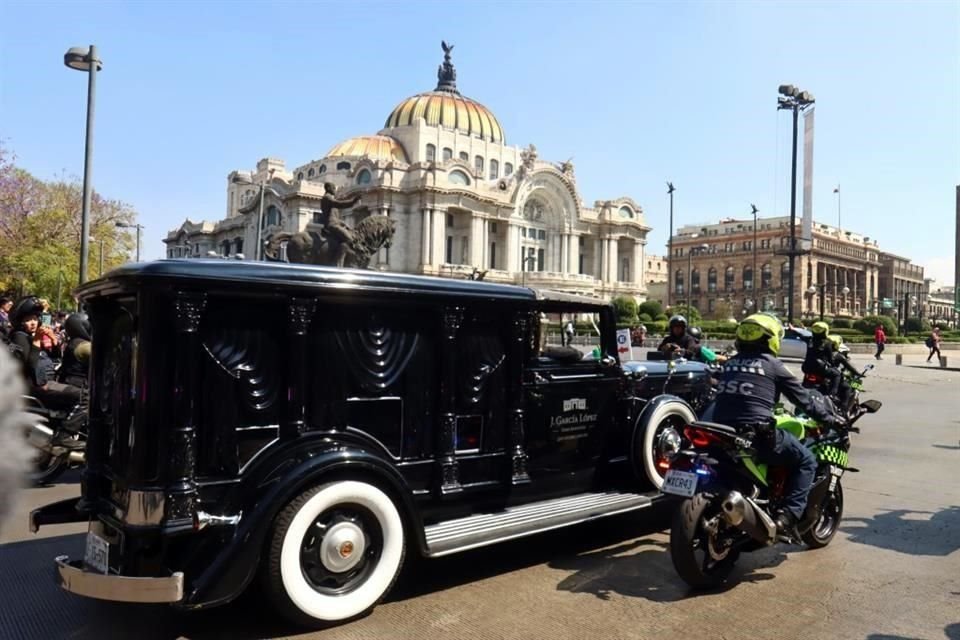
476 241
425 226
439 235
512 250
383 256
564 252
598 256
614 270
573 253
638 263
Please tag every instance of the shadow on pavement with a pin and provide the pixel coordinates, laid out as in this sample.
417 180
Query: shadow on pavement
946 446
952 632
643 569
933 536
41 609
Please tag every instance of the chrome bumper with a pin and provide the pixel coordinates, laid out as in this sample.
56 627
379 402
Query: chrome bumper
74 579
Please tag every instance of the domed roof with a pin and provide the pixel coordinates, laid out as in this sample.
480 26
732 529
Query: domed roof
450 110
445 107
378 147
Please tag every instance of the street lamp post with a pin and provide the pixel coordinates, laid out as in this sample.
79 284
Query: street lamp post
85 59
755 274
524 262
795 100
136 226
258 250
814 288
670 190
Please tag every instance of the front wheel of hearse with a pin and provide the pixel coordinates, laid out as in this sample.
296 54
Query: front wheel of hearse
657 437
831 512
699 557
334 553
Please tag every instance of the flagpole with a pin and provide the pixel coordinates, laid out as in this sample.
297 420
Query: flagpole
839 219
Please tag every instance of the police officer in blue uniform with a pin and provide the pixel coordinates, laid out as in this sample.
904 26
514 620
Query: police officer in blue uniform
749 386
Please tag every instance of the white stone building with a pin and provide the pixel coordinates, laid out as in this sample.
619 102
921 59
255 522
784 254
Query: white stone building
462 199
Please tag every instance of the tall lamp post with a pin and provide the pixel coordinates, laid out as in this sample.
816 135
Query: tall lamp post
524 263
670 190
85 59
139 228
821 288
755 274
258 250
796 101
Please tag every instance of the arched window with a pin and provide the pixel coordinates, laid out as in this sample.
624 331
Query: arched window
310 173
458 177
447 154
363 177
300 175
695 281
785 274
464 156
766 276
678 281
748 278
494 169
478 165
712 280
810 274
729 278
507 169
273 216
431 153
322 170
343 166
626 212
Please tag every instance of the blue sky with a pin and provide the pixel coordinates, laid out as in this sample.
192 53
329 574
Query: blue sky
636 93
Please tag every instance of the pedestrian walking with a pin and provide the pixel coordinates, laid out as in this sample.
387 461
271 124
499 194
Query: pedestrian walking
881 339
569 330
933 343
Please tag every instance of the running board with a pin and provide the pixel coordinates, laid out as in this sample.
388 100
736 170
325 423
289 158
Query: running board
484 529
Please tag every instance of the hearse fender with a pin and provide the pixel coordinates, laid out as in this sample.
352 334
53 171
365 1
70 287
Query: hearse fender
238 559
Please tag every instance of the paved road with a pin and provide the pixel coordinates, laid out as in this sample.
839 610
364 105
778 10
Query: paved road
892 573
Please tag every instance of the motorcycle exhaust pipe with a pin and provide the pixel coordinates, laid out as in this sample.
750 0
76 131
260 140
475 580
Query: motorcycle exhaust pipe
744 514
41 437
77 457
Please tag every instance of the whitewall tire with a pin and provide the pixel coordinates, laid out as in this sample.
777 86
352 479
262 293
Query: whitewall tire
658 433
335 551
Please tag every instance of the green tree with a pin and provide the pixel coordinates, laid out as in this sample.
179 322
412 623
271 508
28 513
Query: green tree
651 307
692 314
40 225
626 308
869 324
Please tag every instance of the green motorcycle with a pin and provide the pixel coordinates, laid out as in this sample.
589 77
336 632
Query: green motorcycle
730 497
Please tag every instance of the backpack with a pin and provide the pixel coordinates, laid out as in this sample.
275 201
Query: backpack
929 342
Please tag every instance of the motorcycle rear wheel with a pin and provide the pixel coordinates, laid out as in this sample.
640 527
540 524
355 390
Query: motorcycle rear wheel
688 540
826 527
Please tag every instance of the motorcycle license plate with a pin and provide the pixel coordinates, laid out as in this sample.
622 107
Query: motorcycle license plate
680 483
97 556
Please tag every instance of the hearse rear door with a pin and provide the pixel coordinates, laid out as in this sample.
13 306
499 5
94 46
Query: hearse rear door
570 401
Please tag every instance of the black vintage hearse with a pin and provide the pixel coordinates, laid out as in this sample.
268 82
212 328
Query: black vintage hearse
308 426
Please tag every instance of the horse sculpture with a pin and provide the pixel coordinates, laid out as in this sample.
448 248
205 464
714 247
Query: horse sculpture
310 247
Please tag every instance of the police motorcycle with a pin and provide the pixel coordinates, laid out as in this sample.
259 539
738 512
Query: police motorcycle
853 381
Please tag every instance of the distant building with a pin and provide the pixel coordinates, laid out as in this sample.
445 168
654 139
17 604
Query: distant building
902 286
939 304
657 277
713 269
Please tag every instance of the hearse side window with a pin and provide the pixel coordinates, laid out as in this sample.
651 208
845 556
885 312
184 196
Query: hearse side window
550 341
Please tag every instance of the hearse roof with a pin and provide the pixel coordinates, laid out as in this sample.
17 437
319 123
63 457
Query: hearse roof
298 276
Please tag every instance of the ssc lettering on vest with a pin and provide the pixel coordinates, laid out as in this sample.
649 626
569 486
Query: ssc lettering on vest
736 387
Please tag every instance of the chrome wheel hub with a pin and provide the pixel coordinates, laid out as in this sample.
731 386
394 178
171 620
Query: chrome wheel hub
668 443
343 547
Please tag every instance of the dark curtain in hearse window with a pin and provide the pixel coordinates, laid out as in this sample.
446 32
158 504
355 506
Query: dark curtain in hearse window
242 383
481 383
375 371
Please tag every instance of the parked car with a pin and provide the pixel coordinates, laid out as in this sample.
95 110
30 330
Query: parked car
308 427
794 343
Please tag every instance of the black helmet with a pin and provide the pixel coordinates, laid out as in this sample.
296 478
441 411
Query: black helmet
77 326
678 320
695 333
29 306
